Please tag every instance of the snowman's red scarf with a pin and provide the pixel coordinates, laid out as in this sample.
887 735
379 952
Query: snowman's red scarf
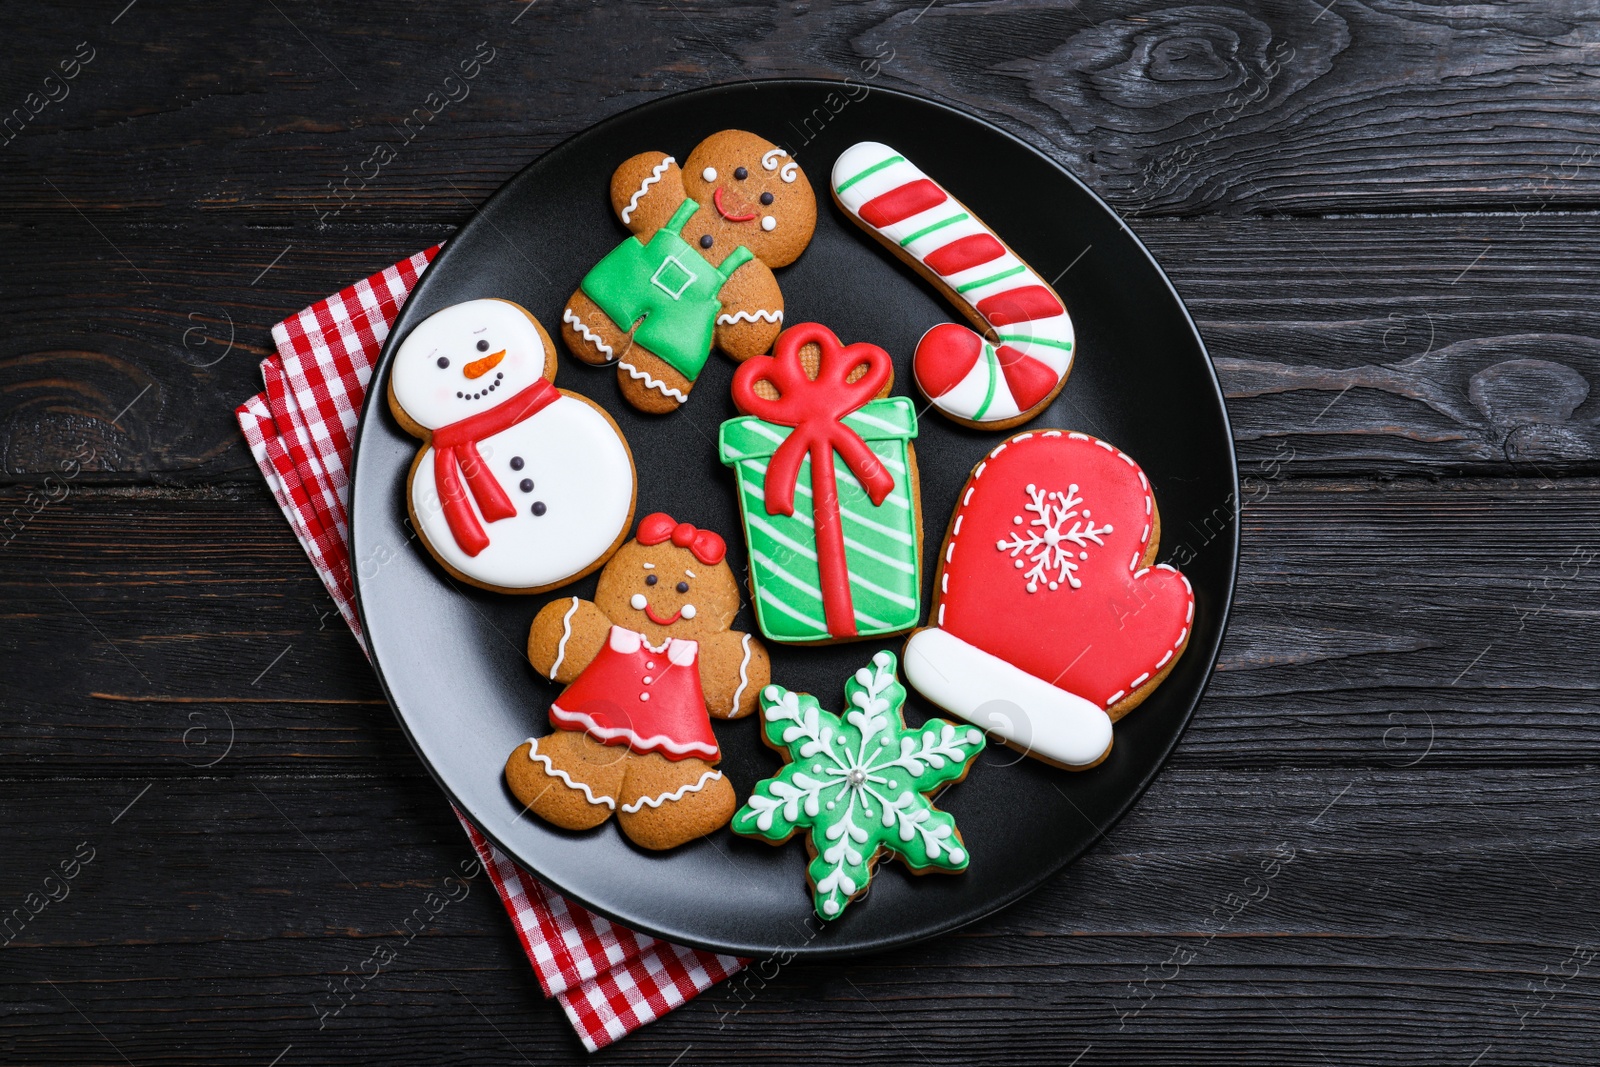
455 449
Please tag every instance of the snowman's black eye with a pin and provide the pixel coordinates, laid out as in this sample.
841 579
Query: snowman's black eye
766 198
740 173
483 346
683 587
444 361
649 579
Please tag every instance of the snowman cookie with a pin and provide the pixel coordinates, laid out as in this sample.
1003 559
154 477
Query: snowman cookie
697 272
647 664
519 487
1049 620
858 782
1016 367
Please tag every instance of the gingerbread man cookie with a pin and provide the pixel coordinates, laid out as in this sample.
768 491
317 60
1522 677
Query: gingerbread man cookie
646 664
697 271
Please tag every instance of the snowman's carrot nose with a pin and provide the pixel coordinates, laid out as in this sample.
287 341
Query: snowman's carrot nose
479 367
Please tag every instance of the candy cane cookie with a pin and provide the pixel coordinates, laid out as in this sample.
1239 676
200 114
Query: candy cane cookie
1009 374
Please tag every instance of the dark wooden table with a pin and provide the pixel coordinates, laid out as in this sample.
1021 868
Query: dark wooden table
1383 216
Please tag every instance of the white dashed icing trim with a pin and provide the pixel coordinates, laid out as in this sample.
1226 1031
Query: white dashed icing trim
556 772
750 316
744 674
652 383
566 635
655 176
676 794
1133 564
589 335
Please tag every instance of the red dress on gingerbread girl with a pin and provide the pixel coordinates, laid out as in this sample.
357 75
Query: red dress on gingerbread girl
647 664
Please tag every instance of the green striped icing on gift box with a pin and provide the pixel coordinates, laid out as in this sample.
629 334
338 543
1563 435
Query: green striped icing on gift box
880 540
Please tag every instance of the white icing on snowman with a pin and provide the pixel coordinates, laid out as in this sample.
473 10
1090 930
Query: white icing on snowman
566 471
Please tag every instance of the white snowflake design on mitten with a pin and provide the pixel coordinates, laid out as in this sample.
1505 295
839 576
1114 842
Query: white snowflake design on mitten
1048 543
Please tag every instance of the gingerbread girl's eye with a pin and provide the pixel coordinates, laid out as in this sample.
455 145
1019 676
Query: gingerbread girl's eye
649 579
766 198
741 173
683 587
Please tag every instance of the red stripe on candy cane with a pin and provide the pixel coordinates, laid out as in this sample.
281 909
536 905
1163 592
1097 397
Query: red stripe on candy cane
1029 380
901 203
1019 305
964 253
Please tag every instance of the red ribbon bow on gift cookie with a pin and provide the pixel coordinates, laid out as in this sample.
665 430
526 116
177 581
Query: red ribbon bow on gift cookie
707 546
815 409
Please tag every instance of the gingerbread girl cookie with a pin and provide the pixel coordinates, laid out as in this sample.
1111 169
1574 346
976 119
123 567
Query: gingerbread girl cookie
646 664
697 271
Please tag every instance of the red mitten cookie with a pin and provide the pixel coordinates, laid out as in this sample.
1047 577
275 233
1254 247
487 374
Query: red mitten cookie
1049 622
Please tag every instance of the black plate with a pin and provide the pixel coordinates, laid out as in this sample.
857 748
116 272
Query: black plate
451 657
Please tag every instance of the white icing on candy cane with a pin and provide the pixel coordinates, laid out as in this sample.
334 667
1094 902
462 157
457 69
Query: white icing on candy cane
644 187
964 375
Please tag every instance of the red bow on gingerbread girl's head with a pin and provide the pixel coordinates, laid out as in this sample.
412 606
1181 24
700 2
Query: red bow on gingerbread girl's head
707 547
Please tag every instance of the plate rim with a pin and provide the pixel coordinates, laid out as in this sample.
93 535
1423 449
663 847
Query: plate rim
810 950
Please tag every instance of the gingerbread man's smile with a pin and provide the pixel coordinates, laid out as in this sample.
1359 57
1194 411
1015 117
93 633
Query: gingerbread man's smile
747 214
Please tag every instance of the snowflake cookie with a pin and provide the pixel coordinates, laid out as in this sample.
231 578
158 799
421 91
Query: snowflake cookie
859 783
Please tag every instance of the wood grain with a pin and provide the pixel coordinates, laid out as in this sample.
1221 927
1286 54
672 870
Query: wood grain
267 889
1366 620
1345 346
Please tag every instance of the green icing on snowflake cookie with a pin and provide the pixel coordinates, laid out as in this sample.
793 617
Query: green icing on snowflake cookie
859 783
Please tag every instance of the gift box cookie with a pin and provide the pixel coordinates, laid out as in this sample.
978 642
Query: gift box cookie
828 490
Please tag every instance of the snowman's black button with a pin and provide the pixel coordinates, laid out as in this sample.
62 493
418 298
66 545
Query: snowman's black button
538 507
516 463
527 485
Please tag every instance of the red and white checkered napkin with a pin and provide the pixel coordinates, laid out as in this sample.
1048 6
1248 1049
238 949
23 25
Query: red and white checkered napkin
608 979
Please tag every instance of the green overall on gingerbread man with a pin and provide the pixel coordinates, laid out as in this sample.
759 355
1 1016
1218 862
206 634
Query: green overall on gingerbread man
671 286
